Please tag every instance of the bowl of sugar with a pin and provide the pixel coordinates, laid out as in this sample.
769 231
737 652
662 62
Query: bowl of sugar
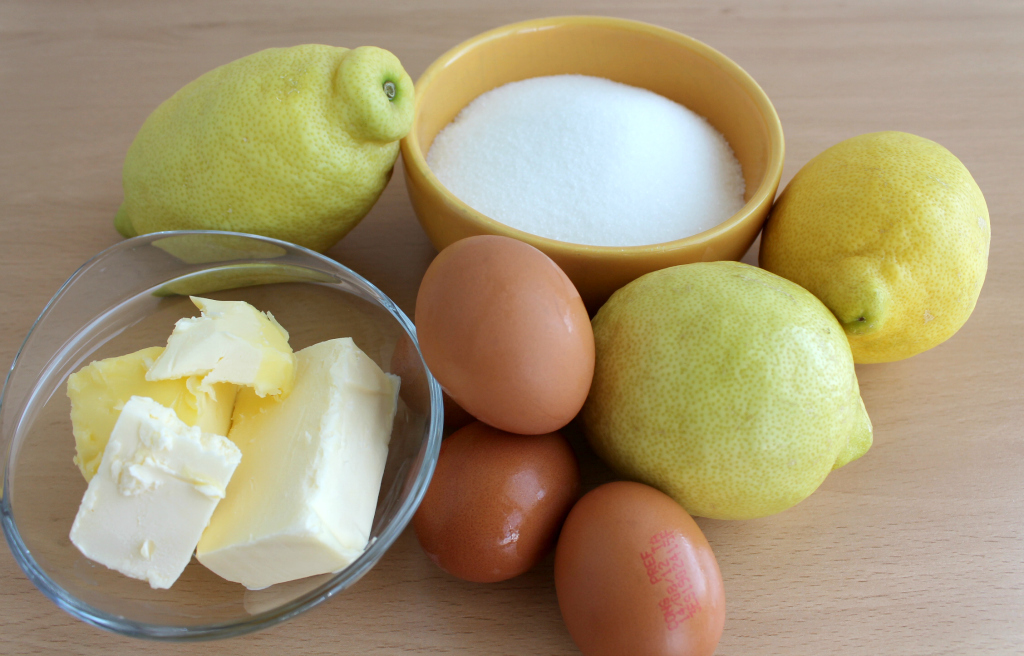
615 147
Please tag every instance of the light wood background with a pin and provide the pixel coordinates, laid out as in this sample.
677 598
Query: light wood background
917 548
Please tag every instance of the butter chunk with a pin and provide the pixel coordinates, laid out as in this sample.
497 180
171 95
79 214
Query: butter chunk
99 390
232 342
303 499
158 483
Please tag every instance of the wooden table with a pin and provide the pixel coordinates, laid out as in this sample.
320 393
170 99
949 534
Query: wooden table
917 548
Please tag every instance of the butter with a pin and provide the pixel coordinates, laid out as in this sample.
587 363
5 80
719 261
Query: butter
158 482
232 342
303 499
99 391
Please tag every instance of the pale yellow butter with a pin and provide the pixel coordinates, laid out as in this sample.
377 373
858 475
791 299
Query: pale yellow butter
302 501
157 485
100 390
232 342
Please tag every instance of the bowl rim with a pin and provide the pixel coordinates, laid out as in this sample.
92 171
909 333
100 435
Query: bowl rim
414 158
342 579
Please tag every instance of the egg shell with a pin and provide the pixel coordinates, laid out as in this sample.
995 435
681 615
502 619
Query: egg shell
505 332
405 363
496 502
634 574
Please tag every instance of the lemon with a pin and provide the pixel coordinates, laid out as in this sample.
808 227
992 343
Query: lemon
293 143
892 233
727 387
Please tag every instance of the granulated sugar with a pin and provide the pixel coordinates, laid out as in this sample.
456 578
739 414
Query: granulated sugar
589 161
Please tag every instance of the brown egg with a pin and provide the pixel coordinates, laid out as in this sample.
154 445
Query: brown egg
506 334
405 363
635 575
496 502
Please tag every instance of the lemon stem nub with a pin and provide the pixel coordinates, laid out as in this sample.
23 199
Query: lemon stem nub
389 90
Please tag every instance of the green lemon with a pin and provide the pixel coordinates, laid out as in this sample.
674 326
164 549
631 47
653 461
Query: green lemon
293 143
725 386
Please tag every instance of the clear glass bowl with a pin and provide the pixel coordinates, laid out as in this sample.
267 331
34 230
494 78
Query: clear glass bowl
127 298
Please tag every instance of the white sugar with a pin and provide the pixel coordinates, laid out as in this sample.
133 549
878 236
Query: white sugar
589 161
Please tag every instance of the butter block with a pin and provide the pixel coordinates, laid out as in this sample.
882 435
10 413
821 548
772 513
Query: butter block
100 390
303 499
232 342
158 483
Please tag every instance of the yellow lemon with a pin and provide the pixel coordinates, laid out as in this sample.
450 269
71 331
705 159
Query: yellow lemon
892 233
293 143
727 387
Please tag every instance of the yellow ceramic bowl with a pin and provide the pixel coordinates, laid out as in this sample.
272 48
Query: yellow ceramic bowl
666 62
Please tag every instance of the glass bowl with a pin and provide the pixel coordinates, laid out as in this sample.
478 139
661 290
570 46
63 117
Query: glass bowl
127 298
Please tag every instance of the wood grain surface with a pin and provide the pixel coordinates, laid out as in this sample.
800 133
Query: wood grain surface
915 549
